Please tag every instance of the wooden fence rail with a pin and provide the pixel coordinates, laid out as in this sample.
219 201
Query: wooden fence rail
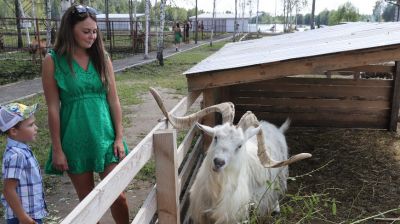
168 157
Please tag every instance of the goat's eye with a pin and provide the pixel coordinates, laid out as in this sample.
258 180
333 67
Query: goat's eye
240 146
215 139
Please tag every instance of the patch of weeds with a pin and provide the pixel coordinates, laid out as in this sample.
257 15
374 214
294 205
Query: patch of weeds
148 171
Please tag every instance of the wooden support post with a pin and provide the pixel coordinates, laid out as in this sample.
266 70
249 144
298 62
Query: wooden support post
209 99
395 98
164 144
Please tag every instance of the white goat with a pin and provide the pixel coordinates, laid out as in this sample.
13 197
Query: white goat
238 169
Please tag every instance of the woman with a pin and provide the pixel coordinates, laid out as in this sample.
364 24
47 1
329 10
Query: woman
84 112
177 35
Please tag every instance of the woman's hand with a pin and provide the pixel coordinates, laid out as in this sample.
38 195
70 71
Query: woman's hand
59 160
119 149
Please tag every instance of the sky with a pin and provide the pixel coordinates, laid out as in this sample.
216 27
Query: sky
364 6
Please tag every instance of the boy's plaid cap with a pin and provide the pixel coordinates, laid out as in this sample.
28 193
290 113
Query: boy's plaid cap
12 113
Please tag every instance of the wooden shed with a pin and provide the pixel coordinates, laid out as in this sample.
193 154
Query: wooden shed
316 78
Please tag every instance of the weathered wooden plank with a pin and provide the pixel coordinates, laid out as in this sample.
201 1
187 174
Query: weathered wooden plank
314 109
378 95
185 144
148 209
282 103
294 81
311 65
379 121
185 197
395 99
370 68
192 97
190 163
209 98
164 143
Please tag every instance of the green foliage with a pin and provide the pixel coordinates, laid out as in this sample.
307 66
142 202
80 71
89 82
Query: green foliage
15 70
323 17
345 13
388 13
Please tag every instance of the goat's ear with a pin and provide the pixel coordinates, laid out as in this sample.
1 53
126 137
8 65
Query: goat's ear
208 130
251 131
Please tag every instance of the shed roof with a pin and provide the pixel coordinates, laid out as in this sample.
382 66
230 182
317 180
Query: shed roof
318 42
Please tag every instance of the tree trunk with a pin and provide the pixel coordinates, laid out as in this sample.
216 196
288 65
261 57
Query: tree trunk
312 15
146 42
48 23
18 21
160 42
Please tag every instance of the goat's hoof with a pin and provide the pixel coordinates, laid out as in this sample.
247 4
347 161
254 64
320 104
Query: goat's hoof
275 213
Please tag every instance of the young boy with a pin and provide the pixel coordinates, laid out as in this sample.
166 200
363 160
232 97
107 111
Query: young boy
23 196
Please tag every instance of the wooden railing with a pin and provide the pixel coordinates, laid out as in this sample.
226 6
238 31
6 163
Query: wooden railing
164 198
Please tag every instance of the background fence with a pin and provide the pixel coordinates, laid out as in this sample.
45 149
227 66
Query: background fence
24 42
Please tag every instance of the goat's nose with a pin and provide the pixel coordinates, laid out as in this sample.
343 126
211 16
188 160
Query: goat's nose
218 163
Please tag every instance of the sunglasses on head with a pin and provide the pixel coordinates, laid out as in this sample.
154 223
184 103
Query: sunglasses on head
85 9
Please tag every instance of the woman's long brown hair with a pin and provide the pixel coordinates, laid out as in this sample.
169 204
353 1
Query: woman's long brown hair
65 43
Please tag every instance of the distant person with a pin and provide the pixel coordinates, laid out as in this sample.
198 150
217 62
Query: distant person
177 36
201 28
84 112
23 195
186 30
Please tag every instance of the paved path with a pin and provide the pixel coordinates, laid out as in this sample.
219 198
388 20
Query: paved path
28 88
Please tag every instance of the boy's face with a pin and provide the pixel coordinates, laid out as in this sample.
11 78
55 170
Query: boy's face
26 131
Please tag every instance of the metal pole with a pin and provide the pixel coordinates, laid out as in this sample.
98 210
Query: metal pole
312 15
258 4
212 25
234 23
197 25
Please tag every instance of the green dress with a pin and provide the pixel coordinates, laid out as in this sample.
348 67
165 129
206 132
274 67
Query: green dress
86 127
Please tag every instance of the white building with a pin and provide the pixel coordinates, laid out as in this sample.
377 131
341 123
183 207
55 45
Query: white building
223 22
118 21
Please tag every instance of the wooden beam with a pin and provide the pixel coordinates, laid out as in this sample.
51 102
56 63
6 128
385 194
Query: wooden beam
395 99
369 68
164 144
209 99
312 65
191 98
148 209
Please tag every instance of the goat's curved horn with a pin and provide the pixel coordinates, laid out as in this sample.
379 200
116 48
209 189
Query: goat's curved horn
226 109
266 159
249 119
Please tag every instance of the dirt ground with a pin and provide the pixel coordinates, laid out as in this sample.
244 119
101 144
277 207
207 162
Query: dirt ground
353 174
60 194
357 170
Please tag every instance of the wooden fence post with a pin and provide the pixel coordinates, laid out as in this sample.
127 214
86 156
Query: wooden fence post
395 98
165 151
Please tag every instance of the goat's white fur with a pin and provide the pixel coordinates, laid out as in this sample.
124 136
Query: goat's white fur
223 194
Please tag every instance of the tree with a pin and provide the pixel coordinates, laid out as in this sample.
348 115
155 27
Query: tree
324 17
18 21
345 13
388 13
377 11
160 42
288 7
146 41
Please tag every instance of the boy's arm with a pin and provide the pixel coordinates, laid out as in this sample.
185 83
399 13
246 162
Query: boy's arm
13 200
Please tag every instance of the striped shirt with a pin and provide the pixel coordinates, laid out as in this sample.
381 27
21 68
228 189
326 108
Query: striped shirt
20 163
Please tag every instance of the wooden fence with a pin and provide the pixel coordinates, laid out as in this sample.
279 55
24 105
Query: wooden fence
355 103
174 166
